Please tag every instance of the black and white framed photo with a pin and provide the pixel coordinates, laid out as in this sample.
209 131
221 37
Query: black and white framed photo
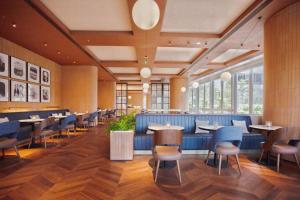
4 92
17 68
45 94
18 91
33 72
45 76
33 93
3 65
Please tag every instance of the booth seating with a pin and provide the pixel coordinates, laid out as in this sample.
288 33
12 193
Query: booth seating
8 136
192 140
25 131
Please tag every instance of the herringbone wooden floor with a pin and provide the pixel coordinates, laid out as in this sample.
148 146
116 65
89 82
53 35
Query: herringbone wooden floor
79 168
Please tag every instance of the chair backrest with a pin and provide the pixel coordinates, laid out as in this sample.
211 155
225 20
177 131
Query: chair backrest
168 137
9 128
232 134
71 119
93 116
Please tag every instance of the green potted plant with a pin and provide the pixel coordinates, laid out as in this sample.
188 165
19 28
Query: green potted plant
121 137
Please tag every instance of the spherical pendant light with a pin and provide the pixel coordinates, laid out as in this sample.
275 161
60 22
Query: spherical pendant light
195 84
183 89
146 86
145 72
145 14
225 76
129 97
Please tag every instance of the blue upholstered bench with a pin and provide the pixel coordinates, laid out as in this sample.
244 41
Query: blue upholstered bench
25 130
191 141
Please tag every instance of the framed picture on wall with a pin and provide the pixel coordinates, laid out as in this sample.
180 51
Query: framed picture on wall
45 94
4 65
33 93
4 91
18 91
33 73
18 68
45 76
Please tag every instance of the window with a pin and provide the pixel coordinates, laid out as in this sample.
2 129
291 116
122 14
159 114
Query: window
257 97
201 97
242 93
121 99
206 105
217 95
160 96
227 97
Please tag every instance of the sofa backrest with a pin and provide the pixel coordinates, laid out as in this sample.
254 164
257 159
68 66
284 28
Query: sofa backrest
185 120
12 116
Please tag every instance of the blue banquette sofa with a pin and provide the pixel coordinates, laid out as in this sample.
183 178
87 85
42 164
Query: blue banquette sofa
192 141
25 130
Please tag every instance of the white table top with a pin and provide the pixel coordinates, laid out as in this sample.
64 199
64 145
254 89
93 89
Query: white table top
164 127
210 127
31 120
60 116
266 128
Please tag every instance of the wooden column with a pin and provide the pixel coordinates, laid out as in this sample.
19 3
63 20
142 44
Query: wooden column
178 99
106 94
282 70
80 88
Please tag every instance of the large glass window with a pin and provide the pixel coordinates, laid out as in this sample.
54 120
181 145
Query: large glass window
201 97
242 92
217 95
160 96
121 99
227 96
206 105
257 82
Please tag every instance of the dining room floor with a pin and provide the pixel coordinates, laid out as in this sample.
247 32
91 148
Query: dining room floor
79 168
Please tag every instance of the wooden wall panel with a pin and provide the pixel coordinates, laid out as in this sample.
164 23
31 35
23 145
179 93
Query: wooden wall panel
178 99
15 50
80 88
282 70
106 94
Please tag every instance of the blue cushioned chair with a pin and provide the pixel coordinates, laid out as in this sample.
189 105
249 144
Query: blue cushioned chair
68 124
8 136
92 118
226 141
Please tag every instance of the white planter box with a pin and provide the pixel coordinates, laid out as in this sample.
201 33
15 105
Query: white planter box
121 145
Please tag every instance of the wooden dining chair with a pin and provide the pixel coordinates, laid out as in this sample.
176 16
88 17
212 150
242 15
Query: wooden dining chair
167 147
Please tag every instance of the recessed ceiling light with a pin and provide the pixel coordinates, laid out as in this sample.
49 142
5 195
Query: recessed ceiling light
58 52
74 62
14 25
198 43
88 41
45 44
205 43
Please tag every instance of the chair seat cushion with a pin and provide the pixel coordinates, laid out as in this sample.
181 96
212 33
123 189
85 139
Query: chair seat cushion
7 142
167 153
47 132
227 149
70 126
284 149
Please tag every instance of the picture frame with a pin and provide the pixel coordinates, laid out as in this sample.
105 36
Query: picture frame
33 72
4 67
45 76
4 89
18 91
33 92
17 68
45 94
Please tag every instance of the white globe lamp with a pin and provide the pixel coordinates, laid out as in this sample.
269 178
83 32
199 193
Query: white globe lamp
195 84
145 14
146 86
129 97
183 89
145 72
225 76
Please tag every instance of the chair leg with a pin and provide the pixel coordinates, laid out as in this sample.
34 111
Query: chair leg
220 163
17 152
30 142
68 133
208 156
3 153
45 142
297 161
261 155
238 162
179 173
278 162
156 172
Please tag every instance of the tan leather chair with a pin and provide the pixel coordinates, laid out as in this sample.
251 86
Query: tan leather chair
285 149
161 152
